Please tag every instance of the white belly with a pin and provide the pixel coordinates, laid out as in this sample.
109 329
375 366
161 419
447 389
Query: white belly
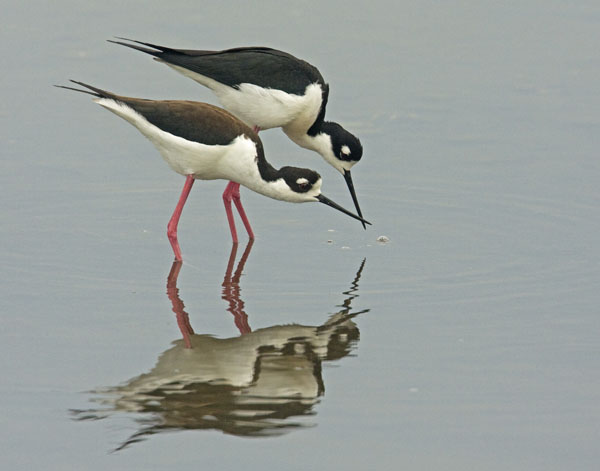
264 107
268 108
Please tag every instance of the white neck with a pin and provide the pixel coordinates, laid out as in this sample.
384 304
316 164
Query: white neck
240 164
321 144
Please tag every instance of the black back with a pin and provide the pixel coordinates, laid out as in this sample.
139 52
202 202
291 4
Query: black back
191 120
262 66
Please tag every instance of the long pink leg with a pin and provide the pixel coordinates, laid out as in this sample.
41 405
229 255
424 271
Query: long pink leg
227 197
172 226
237 200
232 192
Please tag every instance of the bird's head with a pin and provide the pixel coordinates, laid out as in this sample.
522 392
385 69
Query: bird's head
345 146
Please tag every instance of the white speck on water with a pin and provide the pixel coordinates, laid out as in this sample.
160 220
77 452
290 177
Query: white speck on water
330 230
383 239
413 390
345 247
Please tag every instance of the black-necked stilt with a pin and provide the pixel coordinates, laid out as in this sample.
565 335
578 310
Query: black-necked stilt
201 141
267 88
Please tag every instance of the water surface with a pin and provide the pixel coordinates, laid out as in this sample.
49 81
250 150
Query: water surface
469 340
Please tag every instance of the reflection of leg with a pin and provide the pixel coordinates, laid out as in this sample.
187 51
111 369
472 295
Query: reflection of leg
231 289
174 221
242 262
227 197
242 318
183 320
227 278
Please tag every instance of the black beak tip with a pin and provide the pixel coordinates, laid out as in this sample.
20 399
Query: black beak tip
323 199
348 179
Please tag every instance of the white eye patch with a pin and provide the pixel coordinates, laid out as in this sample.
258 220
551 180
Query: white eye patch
302 181
345 150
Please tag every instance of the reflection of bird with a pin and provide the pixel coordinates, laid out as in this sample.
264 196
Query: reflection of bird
201 141
250 385
267 88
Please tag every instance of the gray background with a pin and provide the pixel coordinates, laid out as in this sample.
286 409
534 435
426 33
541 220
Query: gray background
481 125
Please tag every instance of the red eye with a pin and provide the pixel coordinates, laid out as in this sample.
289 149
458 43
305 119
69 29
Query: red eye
303 184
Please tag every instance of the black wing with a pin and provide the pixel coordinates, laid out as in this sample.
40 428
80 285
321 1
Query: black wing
262 66
193 121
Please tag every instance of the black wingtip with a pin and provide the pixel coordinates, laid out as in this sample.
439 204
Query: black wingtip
93 93
91 90
152 52
152 49
136 41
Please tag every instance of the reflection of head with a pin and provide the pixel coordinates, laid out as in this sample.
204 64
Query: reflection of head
342 342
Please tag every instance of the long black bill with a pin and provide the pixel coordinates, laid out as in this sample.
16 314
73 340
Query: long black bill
348 179
328 202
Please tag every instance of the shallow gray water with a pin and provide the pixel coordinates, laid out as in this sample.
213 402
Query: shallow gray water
469 340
